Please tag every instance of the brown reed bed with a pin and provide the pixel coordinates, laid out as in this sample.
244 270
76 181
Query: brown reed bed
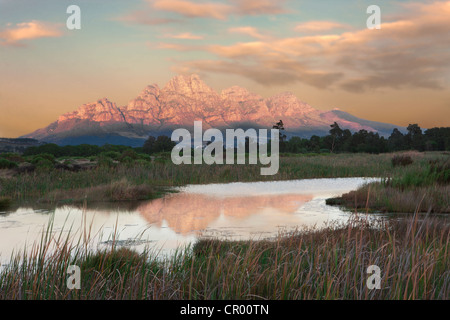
330 263
141 179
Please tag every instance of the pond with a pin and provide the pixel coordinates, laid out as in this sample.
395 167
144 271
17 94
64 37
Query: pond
252 210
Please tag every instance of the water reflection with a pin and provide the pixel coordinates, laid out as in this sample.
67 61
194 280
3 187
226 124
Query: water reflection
187 213
239 211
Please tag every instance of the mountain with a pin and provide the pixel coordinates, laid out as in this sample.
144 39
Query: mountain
184 99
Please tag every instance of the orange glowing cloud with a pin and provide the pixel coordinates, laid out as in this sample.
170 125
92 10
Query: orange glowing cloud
317 26
192 9
29 30
184 36
410 51
219 11
250 31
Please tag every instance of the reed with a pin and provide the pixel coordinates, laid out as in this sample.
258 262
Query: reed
327 263
427 184
150 178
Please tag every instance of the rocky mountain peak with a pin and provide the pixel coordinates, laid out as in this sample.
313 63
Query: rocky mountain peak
239 94
186 99
288 104
103 110
188 85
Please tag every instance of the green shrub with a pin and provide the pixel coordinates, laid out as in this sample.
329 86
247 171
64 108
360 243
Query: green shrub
44 164
128 154
126 160
13 157
6 164
43 156
111 154
145 157
103 161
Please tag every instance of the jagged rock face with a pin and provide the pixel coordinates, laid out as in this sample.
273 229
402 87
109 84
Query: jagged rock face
186 99
101 111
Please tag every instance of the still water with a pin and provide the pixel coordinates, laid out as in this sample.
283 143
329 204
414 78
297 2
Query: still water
234 211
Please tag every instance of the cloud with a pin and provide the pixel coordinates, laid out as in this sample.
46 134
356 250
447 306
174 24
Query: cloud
193 10
177 47
317 26
258 7
145 17
250 31
219 10
13 35
410 51
276 73
184 36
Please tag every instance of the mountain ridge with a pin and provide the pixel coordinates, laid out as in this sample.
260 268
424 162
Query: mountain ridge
185 99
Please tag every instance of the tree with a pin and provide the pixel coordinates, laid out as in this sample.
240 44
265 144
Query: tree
396 140
414 137
149 145
160 144
280 126
336 135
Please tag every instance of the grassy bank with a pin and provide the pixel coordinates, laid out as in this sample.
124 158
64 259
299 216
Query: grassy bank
413 256
145 179
424 188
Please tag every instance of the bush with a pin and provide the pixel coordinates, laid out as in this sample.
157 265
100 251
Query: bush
13 157
145 157
401 160
6 164
111 154
103 161
128 154
44 164
126 160
43 156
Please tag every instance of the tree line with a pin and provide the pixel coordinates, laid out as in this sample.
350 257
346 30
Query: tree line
337 141
363 141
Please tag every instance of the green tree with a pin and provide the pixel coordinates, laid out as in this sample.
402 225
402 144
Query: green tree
336 134
160 144
414 137
396 141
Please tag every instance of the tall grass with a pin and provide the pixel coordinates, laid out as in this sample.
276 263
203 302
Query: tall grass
331 263
427 183
59 185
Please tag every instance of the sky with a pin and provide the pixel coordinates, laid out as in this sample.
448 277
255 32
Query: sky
322 51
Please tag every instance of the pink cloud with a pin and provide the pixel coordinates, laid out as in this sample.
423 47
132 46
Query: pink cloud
410 50
258 7
317 26
192 9
28 31
250 31
184 36
216 10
